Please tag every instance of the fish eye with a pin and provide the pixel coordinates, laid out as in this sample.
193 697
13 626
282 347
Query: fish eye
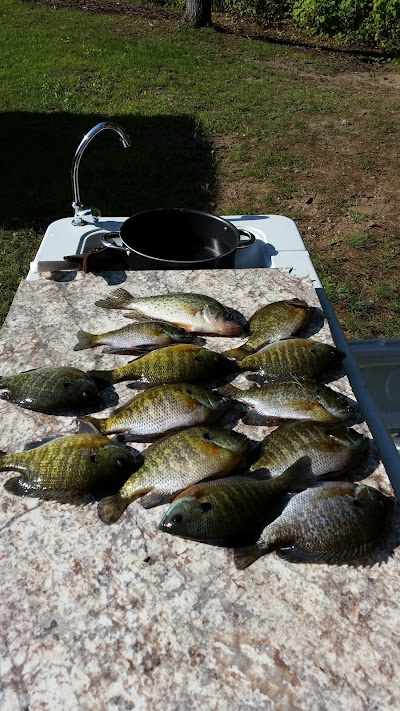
95 458
189 391
176 519
357 503
67 384
207 436
205 507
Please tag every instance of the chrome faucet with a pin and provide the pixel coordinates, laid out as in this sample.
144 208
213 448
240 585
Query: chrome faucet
81 214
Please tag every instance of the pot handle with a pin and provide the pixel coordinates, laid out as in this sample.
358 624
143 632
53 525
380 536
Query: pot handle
249 239
106 241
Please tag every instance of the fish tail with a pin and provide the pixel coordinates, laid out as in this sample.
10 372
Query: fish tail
89 425
119 299
105 376
85 340
243 557
299 476
236 353
111 508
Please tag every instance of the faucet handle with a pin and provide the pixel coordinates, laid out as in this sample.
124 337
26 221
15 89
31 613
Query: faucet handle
85 215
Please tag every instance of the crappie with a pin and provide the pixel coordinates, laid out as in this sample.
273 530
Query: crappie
232 510
134 338
290 399
172 364
69 469
273 322
294 356
194 312
51 389
328 523
161 410
331 448
174 463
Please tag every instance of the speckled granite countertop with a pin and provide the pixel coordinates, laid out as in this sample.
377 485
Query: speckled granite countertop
125 617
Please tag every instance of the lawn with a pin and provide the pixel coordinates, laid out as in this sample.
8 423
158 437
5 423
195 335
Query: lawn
219 121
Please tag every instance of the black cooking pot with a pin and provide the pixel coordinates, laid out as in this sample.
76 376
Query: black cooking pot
176 238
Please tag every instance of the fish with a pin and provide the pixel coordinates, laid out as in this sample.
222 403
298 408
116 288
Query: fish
331 448
289 399
273 322
69 469
134 338
196 313
51 390
159 411
331 522
234 509
174 463
172 364
293 356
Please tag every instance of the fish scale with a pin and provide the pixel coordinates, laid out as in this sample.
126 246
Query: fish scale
174 463
331 522
330 448
66 465
173 364
293 356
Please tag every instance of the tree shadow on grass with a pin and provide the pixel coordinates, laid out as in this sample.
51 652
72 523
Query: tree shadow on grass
170 164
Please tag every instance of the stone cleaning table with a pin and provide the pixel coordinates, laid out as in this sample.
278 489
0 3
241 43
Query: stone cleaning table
126 617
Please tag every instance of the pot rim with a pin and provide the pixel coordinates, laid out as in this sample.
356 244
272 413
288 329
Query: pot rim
228 225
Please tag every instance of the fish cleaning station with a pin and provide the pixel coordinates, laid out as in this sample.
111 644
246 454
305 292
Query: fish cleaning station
126 616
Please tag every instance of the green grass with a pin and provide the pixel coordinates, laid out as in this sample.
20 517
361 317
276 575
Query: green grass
218 122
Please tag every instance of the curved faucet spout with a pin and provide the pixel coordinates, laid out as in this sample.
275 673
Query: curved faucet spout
81 212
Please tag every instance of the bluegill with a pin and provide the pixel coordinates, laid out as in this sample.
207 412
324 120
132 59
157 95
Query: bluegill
232 510
69 469
173 464
134 338
329 523
51 390
331 448
194 312
273 322
172 364
289 399
161 410
294 356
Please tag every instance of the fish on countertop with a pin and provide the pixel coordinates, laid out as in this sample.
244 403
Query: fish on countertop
51 390
294 356
232 510
331 448
174 463
159 411
289 399
273 322
196 313
172 364
69 469
329 523
134 338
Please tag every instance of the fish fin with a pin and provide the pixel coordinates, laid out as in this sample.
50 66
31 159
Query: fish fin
85 340
252 417
156 498
117 300
39 442
136 316
105 376
261 474
299 476
19 487
125 351
88 425
111 508
230 391
237 353
243 557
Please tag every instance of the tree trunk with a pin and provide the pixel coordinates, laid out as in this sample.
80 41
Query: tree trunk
198 13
